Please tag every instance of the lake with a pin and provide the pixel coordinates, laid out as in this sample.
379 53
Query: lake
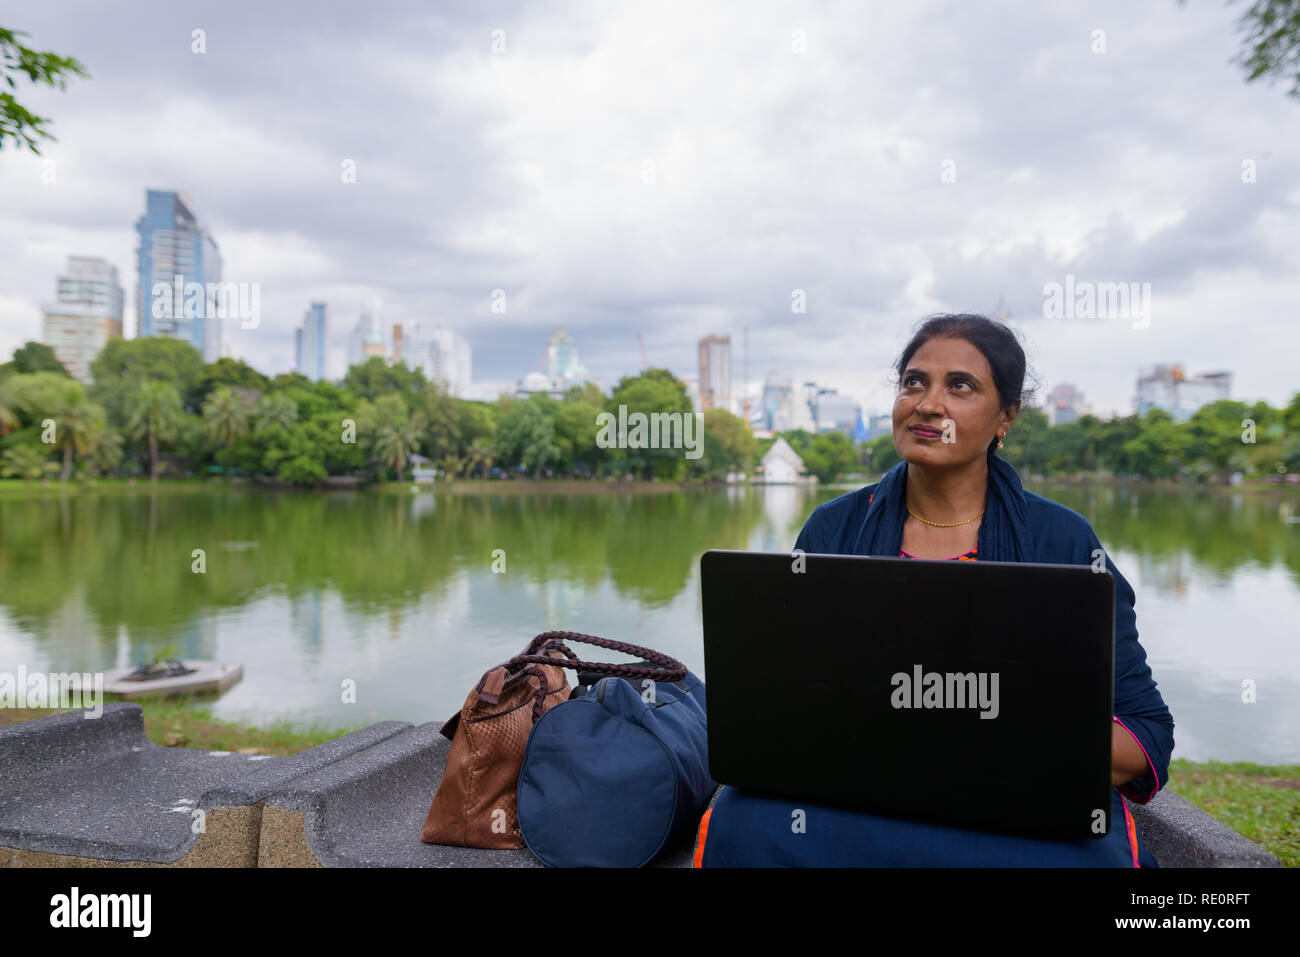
398 593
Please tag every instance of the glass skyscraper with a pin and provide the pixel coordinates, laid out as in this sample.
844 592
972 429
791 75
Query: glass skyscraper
174 244
310 343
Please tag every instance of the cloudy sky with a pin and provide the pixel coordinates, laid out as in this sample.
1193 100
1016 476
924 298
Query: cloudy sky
681 168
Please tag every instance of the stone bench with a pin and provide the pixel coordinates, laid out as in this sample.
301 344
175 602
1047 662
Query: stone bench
98 793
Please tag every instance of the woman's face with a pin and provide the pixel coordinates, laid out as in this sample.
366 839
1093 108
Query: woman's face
946 412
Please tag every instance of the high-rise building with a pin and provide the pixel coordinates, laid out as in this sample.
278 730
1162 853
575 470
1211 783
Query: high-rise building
715 372
562 365
311 343
778 403
178 275
822 409
397 351
879 423
692 391
558 369
444 356
1065 405
835 412
365 341
1166 387
86 313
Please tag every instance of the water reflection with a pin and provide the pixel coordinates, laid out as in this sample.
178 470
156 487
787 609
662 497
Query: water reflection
399 593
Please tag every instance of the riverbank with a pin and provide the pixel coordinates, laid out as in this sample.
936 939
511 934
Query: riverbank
174 723
458 486
1260 802
569 486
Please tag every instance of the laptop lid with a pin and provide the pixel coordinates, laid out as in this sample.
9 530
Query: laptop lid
973 694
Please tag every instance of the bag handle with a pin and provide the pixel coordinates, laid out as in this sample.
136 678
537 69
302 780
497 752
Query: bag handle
670 669
539 652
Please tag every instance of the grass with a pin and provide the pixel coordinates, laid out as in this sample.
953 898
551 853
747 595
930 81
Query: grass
176 723
74 486
1260 802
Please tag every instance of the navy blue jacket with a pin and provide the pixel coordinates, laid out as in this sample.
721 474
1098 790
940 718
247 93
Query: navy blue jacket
1056 535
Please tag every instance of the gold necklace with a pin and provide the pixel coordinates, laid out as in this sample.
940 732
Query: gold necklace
942 524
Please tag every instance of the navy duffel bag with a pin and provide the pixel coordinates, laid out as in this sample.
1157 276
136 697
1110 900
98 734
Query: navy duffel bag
612 776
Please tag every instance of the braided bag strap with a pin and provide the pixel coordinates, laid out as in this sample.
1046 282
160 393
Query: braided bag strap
670 668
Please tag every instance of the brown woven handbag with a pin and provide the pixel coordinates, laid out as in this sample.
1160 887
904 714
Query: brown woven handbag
475 804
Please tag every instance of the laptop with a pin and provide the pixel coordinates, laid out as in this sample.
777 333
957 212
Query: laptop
970 694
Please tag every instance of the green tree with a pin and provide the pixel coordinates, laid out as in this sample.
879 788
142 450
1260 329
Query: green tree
33 357
448 426
882 454
124 365
81 427
374 378
733 435
1161 449
10 407
16 121
229 372
225 417
273 411
527 434
655 390
25 461
296 455
394 443
481 455
106 449
1272 39
391 435
1291 415
154 414
575 422
1215 435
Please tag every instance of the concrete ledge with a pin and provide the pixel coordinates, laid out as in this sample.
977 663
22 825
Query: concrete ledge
273 775
77 791
55 741
1179 834
97 793
367 811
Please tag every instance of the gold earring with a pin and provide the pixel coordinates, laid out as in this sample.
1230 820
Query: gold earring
999 441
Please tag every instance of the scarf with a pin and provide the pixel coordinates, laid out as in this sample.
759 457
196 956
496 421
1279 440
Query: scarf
1004 533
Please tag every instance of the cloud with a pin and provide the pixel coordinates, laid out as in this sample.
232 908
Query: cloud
675 170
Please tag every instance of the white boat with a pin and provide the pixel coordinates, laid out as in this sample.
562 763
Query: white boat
202 677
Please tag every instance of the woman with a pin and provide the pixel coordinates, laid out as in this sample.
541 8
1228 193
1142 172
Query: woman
960 387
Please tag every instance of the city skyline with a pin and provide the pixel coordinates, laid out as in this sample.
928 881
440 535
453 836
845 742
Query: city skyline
480 199
90 306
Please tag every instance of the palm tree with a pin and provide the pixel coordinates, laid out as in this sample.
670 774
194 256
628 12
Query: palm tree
275 411
481 453
154 412
26 462
394 442
226 415
106 450
452 465
82 426
9 408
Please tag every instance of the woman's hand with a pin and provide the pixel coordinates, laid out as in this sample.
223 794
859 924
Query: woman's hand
1127 759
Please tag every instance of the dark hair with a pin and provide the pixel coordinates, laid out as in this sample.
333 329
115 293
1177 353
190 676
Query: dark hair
993 339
